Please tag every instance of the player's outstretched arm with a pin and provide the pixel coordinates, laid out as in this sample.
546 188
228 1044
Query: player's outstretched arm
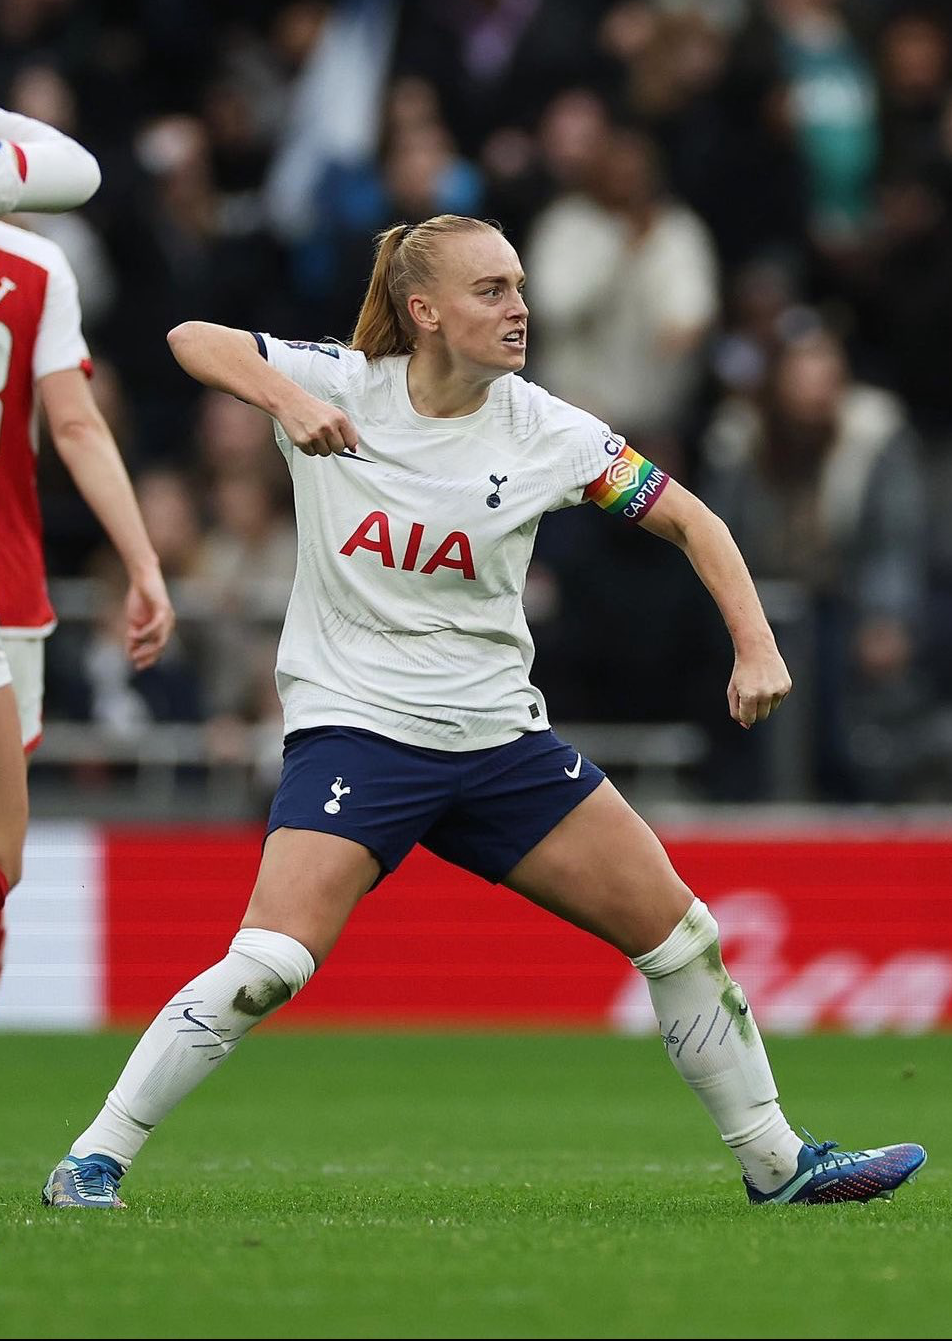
88 449
760 680
41 168
228 360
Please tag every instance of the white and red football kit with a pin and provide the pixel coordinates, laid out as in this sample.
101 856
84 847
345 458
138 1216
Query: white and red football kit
40 333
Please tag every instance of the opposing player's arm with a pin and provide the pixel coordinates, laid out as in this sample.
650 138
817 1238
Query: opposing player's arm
84 441
230 360
760 681
41 168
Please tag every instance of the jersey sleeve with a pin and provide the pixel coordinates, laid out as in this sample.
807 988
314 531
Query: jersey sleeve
59 338
327 371
41 168
595 465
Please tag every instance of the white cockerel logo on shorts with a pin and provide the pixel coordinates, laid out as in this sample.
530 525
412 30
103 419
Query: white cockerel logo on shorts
332 807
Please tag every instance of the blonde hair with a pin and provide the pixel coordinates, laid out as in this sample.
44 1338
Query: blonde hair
404 263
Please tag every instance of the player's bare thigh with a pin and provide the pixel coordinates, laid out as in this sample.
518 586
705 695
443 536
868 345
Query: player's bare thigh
308 885
13 810
603 869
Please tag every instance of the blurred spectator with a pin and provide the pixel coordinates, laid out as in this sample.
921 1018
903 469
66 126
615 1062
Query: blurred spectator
176 258
420 173
58 29
249 552
423 175
412 103
40 90
232 438
901 298
248 560
821 485
335 105
116 696
832 105
939 621
173 521
762 312
914 70
593 574
108 692
497 63
525 171
623 290
239 156
710 108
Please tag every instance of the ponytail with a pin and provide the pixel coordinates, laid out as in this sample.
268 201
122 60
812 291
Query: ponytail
378 331
403 264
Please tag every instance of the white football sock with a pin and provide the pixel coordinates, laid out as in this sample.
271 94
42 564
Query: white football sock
193 1034
711 1037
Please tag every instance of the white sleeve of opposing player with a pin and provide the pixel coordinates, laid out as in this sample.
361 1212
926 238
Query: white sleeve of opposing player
327 371
41 168
59 339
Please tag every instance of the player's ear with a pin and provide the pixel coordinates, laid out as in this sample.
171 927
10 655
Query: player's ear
422 312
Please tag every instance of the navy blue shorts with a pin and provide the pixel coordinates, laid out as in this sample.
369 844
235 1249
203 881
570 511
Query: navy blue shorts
480 809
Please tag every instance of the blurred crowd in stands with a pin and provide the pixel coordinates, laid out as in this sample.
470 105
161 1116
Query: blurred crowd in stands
736 221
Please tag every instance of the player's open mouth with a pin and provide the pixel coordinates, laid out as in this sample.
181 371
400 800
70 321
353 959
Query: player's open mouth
516 339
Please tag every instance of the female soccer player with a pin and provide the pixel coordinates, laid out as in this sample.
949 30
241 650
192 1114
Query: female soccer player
44 358
422 463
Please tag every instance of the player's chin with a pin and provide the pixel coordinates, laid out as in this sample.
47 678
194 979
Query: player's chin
511 357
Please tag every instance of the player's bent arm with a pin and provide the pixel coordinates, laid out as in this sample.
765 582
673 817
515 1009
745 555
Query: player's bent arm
228 360
41 168
85 443
760 681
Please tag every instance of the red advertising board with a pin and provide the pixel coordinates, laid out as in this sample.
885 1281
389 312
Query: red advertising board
823 930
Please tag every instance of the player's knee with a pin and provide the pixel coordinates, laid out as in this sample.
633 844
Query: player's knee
695 935
286 959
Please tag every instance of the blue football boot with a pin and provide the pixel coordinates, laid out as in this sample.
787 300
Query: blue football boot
847 1175
93 1181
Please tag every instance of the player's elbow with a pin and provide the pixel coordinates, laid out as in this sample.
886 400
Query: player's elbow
179 334
73 431
88 176
183 338
81 440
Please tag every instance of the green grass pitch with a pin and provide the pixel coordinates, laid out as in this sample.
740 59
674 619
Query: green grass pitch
470 1185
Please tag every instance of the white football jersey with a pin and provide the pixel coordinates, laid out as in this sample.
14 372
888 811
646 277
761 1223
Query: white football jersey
406 613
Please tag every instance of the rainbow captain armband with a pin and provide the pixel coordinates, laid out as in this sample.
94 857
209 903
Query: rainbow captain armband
629 484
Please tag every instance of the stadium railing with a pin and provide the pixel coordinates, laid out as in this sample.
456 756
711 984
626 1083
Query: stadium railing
172 769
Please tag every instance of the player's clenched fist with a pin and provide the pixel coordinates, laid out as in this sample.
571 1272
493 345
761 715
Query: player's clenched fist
318 429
